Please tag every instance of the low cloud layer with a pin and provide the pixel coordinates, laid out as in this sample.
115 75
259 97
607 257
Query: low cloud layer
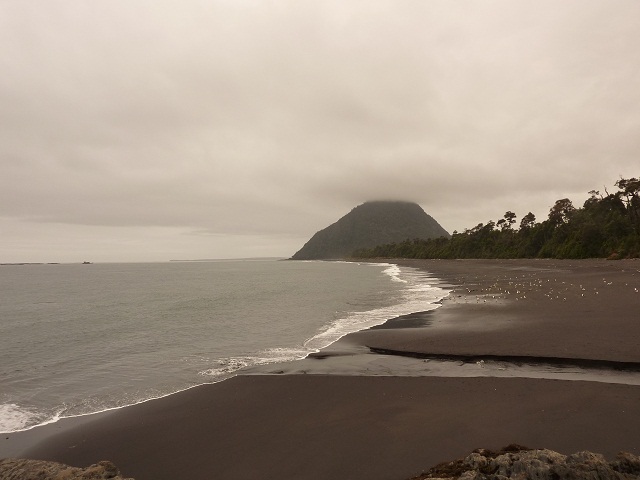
239 128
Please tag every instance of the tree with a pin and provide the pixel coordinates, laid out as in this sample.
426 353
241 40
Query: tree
606 224
630 189
561 212
630 196
528 221
508 221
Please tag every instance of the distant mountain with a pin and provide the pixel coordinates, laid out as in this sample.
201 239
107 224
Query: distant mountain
368 225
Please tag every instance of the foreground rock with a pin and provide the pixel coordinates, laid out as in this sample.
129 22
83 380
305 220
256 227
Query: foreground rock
514 461
520 462
21 469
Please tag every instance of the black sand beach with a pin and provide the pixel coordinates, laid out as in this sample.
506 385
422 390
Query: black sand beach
327 424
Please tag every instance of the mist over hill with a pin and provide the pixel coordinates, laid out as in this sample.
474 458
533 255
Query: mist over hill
606 226
368 225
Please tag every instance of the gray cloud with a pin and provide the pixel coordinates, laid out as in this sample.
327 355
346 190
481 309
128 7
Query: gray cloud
205 123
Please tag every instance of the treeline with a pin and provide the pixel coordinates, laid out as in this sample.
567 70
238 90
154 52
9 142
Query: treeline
607 226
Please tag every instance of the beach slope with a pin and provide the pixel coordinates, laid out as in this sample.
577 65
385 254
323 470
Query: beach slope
328 423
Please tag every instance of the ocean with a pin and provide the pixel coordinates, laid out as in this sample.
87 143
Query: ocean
79 339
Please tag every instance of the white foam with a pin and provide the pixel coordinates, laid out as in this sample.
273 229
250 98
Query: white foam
13 417
227 366
60 414
276 355
418 296
394 272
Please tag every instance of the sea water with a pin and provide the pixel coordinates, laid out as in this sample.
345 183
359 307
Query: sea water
79 339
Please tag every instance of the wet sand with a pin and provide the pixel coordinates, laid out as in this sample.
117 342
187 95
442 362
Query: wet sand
343 416
580 309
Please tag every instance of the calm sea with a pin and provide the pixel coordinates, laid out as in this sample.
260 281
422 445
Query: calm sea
78 339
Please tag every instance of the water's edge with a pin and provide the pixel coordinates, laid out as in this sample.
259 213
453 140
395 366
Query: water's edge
322 341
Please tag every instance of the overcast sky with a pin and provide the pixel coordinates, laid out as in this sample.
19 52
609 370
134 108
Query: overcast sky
157 130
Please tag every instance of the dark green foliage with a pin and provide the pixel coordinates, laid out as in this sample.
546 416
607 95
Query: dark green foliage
607 226
370 224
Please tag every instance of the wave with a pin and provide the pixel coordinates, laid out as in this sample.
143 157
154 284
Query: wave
417 294
13 417
394 272
227 366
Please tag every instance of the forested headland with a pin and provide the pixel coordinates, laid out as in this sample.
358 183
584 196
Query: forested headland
606 226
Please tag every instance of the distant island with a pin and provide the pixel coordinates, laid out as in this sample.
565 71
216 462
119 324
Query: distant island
30 263
370 224
606 226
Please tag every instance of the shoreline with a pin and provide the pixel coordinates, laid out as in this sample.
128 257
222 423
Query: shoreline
134 437
543 308
240 371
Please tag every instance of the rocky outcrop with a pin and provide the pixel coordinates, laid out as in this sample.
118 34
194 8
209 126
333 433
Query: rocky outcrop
21 469
512 462
518 462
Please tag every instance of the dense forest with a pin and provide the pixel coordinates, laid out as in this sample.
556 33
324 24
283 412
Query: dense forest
607 226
